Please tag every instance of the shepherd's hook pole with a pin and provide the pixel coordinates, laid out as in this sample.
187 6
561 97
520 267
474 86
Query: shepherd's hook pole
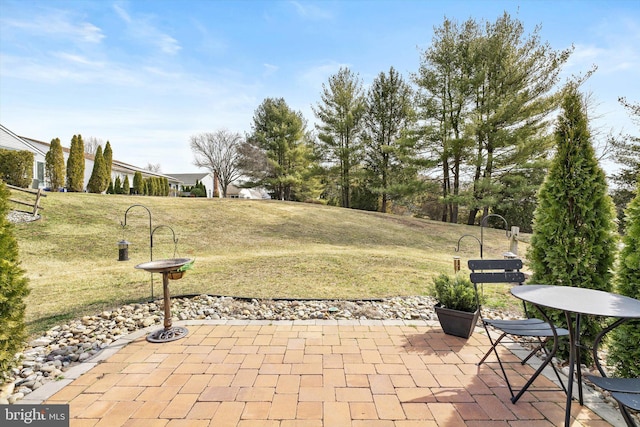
124 224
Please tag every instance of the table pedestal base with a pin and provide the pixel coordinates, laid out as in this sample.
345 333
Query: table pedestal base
168 334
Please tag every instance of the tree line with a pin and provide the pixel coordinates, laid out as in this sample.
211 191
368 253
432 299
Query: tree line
468 133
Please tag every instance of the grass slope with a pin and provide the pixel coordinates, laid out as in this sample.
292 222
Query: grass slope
259 249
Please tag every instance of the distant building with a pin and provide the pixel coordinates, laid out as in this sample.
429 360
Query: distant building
11 141
234 192
189 180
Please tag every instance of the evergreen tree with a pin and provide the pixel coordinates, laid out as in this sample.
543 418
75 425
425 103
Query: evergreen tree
574 233
13 291
388 153
151 186
340 113
126 189
16 167
97 179
445 81
278 136
626 153
138 183
117 186
107 154
54 165
110 189
75 164
624 351
514 94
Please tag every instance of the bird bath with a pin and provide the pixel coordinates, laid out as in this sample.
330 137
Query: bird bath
165 266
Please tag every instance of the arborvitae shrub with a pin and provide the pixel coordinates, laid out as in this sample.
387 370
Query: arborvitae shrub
138 184
117 186
125 185
13 291
107 154
97 179
54 165
574 233
16 167
75 164
624 352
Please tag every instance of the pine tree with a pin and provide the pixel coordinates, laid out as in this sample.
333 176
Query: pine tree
97 179
13 291
574 233
110 188
388 156
126 188
75 164
54 165
340 113
624 351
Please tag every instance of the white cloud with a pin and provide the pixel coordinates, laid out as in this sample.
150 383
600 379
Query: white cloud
270 69
78 59
311 11
55 24
141 29
316 75
208 42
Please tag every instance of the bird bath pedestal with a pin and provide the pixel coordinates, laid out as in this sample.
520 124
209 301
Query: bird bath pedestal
165 266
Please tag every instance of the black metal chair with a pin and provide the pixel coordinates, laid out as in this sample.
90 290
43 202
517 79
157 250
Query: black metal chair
626 391
493 271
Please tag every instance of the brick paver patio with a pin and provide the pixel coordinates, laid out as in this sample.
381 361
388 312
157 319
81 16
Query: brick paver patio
307 374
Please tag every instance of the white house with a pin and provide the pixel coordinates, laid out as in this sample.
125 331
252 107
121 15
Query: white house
234 192
11 141
189 180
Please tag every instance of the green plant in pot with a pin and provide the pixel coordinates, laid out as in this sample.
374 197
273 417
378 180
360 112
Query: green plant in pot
177 274
457 308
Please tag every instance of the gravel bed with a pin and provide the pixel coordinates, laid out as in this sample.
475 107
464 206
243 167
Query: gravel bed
17 217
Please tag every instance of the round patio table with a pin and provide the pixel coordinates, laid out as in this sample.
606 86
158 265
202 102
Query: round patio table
576 302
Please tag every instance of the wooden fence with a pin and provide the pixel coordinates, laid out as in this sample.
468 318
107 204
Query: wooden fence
33 205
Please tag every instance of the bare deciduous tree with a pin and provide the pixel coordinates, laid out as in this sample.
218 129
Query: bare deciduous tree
218 152
91 145
156 168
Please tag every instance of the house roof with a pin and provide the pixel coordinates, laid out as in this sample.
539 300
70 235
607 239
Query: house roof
24 141
189 178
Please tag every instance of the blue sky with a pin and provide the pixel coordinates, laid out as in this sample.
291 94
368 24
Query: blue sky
147 75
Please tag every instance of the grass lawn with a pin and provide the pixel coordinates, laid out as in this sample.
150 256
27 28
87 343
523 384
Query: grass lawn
248 248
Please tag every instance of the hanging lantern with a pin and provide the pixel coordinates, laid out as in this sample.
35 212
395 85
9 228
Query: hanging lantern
123 250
